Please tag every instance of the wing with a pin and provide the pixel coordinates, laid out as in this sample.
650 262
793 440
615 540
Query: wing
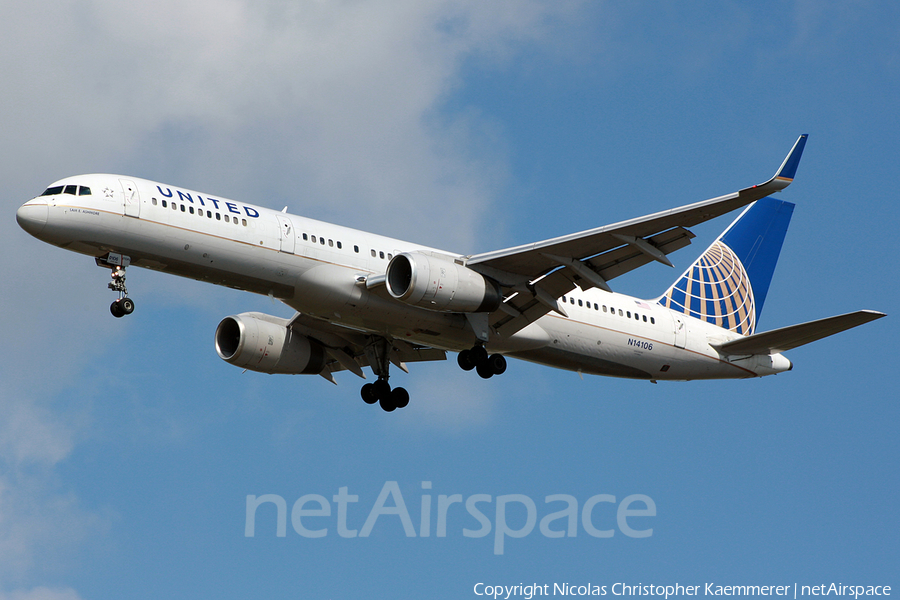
347 348
538 273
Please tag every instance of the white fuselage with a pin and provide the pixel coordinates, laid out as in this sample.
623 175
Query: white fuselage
320 269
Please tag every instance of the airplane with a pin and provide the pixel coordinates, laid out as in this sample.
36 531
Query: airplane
365 300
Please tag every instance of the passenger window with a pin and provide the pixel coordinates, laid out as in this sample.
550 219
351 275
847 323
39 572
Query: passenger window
620 312
604 308
356 248
153 201
339 246
305 238
71 189
227 219
373 253
381 254
209 214
174 206
84 191
645 318
182 208
218 217
652 321
390 256
191 209
629 314
580 303
244 222
331 243
322 241
313 238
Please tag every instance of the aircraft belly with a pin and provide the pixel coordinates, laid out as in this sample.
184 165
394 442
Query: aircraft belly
530 337
588 348
564 358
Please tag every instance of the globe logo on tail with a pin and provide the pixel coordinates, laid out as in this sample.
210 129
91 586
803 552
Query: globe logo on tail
716 289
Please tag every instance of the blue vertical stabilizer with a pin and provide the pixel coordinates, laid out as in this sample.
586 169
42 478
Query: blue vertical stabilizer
728 284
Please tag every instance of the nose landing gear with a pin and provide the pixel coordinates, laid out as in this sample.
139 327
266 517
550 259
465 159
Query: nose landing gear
123 305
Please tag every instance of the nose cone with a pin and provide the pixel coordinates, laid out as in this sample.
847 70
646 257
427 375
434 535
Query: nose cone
32 217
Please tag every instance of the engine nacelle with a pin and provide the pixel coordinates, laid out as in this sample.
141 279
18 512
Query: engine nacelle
264 343
440 284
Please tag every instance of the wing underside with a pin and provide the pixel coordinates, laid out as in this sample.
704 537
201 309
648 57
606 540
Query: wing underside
351 350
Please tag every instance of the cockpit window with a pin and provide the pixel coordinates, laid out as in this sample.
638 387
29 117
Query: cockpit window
71 189
84 191
53 191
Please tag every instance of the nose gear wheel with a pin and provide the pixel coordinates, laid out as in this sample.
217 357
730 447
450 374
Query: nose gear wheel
123 305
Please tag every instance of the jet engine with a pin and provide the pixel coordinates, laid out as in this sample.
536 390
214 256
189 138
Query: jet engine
438 283
266 344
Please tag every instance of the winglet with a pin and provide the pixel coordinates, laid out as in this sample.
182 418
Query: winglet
789 166
785 174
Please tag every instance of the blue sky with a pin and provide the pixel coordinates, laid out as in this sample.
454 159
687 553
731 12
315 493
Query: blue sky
128 448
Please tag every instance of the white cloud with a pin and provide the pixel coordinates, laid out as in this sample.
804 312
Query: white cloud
332 107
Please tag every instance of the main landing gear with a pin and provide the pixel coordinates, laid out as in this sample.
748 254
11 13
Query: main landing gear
485 365
123 305
381 392
378 353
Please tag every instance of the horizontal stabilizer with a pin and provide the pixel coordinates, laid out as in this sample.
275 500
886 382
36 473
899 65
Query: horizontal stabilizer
786 338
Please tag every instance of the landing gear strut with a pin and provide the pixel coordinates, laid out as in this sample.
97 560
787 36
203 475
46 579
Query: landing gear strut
378 352
485 365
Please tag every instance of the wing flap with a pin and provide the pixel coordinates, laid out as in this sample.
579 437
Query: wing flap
531 304
786 338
